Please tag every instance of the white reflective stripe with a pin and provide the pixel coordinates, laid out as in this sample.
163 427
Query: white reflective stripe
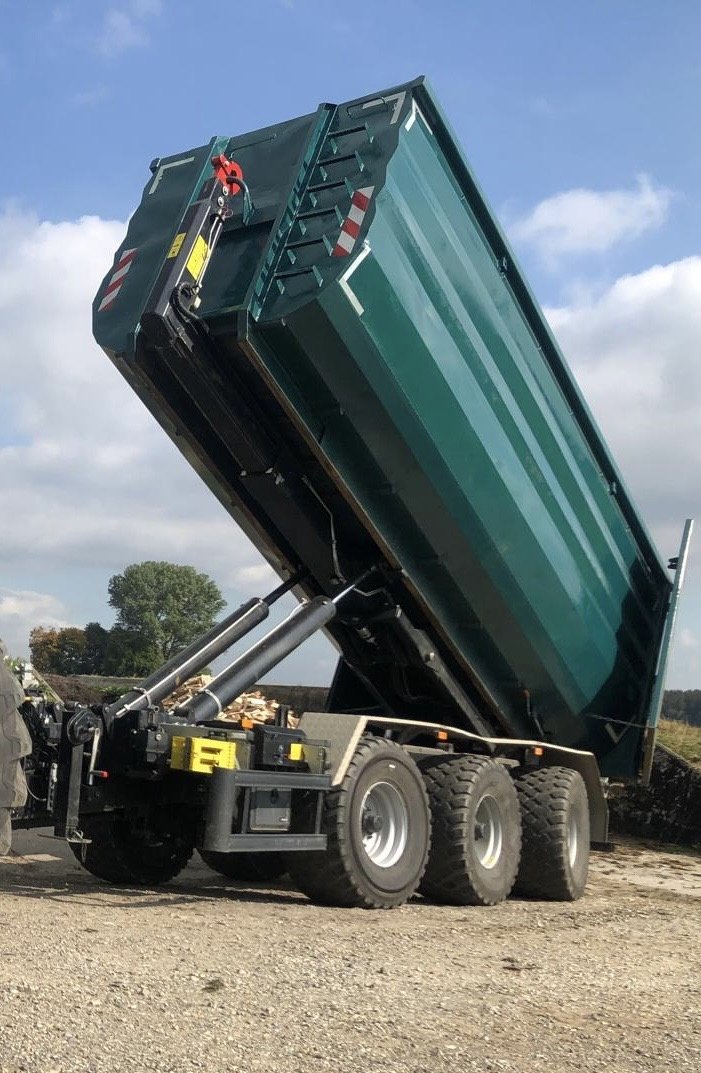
120 273
412 118
108 299
423 119
356 215
367 191
345 241
416 113
351 296
345 285
358 260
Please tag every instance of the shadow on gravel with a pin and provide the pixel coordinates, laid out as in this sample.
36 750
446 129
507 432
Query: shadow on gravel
23 884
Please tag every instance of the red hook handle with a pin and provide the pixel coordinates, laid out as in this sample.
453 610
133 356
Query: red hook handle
227 172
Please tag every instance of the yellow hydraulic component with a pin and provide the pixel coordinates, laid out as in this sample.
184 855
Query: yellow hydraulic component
202 754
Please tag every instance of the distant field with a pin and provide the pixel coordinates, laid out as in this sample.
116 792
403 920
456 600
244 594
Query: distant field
682 739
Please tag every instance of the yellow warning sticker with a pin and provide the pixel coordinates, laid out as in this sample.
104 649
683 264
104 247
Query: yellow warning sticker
177 243
196 260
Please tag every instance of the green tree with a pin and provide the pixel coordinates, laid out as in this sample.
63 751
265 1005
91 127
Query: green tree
96 642
129 655
161 607
683 705
58 651
43 649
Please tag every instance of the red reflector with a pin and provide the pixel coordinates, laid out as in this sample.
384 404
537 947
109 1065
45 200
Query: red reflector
101 774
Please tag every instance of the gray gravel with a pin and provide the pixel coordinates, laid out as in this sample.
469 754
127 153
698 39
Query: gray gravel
204 975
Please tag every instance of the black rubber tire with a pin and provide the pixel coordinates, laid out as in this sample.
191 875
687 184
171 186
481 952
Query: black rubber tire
118 855
457 786
344 875
552 799
246 867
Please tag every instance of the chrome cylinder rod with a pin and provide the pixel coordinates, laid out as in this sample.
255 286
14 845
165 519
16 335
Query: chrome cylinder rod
198 654
260 658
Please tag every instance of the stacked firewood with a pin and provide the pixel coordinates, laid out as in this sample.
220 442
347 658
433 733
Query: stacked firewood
251 706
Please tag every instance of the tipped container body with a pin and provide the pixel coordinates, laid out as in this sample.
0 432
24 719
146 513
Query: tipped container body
371 323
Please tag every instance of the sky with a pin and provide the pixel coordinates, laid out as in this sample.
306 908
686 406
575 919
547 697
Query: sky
581 124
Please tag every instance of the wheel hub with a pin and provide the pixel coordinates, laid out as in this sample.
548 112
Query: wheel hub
489 832
371 822
384 824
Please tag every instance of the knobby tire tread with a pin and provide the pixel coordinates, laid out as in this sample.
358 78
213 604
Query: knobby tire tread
332 877
545 797
452 875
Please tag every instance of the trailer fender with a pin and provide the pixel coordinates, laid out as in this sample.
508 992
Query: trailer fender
340 734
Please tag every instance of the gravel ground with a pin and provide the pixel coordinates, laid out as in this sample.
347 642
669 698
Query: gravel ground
205 975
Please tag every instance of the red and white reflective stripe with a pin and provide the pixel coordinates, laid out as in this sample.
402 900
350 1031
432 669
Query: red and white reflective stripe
350 228
117 279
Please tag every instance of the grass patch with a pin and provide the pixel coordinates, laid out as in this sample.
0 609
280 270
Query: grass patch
682 738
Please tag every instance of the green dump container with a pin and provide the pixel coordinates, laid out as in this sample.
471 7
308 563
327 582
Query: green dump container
370 380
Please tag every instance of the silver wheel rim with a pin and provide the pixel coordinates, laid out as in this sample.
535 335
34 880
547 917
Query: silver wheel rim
572 840
384 824
489 832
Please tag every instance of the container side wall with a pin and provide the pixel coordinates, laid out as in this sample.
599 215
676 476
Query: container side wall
487 420
490 496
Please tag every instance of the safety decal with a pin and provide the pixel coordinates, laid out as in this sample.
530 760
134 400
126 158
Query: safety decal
350 228
114 286
176 245
197 258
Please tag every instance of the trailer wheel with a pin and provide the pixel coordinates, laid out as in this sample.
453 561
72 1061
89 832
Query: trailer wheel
476 837
246 867
379 831
556 840
118 853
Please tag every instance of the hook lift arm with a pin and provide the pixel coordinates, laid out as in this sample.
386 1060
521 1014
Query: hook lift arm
175 296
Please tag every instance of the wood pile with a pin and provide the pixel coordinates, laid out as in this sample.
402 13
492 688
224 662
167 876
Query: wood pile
254 706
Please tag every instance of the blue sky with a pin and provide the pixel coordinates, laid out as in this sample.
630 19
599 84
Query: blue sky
581 123
544 95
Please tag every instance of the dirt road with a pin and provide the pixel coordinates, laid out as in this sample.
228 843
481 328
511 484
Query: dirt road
202 975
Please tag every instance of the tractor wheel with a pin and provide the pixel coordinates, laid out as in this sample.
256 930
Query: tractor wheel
120 853
378 826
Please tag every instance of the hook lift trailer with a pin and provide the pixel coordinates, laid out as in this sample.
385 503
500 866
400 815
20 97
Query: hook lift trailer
343 346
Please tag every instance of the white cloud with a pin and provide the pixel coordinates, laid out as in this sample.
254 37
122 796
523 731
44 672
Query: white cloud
92 481
591 221
21 610
89 482
120 31
256 575
636 352
124 28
